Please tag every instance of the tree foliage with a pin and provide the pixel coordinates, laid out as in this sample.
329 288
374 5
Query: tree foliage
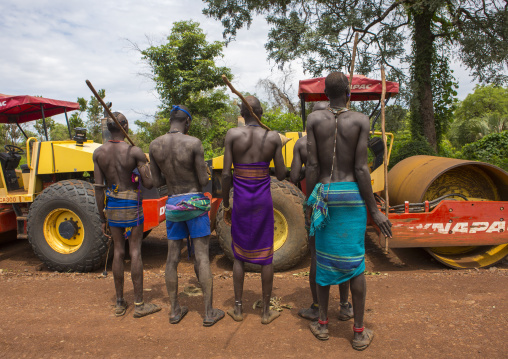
492 148
321 34
185 72
184 67
481 113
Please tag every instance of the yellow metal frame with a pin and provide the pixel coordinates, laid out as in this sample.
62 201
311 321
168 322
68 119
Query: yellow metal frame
49 157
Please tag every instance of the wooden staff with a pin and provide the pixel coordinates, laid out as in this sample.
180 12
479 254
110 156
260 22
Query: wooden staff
352 69
108 111
383 133
233 90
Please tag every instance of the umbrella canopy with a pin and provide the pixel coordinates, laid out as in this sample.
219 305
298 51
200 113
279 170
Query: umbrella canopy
20 109
362 89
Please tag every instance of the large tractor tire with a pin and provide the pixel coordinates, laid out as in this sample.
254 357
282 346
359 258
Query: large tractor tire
424 178
290 236
64 228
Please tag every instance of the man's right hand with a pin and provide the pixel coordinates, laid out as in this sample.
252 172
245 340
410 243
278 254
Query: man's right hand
383 223
105 230
227 217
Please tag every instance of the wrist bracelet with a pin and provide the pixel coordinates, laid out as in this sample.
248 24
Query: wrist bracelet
226 208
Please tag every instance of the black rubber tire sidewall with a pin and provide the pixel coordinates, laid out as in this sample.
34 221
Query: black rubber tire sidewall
79 197
288 200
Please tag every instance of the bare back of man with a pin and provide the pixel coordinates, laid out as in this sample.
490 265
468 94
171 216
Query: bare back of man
114 163
251 149
179 159
338 173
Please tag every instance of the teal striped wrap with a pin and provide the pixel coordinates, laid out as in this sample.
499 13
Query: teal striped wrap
339 224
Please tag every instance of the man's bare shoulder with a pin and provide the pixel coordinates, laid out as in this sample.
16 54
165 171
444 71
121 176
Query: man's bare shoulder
318 116
302 141
136 151
273 136
99 151
234 133
359 118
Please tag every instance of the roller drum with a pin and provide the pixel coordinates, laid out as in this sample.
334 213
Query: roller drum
421 178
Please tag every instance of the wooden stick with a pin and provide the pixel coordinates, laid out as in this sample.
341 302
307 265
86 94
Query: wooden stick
109 111
233 90
352 69
385 162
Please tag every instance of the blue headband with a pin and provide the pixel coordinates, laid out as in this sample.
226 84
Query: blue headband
177 108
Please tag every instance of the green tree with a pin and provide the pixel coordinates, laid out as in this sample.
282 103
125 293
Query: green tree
94 114
321 34
185 72
185 66
492 148
482 112
75 119
281 121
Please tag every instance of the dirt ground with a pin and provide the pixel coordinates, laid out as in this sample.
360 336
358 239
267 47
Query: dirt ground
417 308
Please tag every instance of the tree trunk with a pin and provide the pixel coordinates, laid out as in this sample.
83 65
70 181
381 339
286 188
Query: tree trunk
422 106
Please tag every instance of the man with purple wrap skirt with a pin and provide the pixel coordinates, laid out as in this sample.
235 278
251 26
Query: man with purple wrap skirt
250 149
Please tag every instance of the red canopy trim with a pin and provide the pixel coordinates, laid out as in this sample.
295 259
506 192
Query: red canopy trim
22 109
362 89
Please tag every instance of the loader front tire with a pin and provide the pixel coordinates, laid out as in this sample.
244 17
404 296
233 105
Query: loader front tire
290 236
64 228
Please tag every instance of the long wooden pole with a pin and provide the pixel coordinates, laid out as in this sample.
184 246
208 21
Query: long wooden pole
109 111
235 91
383 133
352 69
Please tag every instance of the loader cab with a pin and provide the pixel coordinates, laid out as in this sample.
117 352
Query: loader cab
9 161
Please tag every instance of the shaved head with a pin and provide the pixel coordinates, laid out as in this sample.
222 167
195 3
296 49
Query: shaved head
112 126
336 85
256 107
321 105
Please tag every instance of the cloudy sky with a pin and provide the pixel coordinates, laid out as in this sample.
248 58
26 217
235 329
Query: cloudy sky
50 47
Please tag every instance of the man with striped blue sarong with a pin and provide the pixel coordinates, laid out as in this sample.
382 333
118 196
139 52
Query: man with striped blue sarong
114 163
297 175
177 160
337 171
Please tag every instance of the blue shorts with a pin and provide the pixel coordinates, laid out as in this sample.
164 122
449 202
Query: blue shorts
195 228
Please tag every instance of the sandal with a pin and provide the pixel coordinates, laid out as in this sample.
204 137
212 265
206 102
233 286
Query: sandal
219 314
362 344
146 309
321 335
121 309
177 318
311 313
350 315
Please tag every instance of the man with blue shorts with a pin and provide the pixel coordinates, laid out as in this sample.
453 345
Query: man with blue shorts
177 159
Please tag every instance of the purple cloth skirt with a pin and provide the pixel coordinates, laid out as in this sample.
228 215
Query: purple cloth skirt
252 222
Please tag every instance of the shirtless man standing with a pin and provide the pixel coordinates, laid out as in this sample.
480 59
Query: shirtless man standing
339 174
251 149
179 159
114 162
298 174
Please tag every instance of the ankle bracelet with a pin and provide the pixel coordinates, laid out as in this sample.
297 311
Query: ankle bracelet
323 322
346 304
358 330
238 302
141 303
